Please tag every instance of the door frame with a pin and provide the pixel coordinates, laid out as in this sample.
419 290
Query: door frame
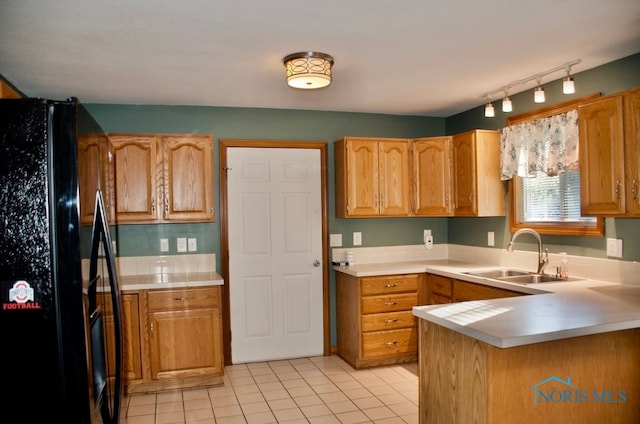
224 231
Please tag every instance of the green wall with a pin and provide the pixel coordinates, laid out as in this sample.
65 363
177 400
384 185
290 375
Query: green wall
607 79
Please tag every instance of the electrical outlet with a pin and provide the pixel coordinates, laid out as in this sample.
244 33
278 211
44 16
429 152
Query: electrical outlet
614 247
192 244
491 239
164 245
357 239
182 244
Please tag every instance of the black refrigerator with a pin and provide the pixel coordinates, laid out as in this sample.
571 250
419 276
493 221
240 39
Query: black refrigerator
62 350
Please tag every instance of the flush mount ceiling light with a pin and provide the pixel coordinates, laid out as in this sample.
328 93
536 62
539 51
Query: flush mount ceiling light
568 87
308 70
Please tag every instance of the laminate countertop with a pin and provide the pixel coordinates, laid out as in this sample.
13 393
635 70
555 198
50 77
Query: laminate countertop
552 311
169 281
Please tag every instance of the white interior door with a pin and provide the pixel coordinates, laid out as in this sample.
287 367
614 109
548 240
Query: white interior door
275 253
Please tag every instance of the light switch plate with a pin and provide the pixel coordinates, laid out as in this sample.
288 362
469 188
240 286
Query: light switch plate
491 239
192 244
357 239
182 244
164 245
335 240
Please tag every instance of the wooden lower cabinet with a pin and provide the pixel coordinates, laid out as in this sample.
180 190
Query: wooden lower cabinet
446 290
131 350
375 323
180 339
464 291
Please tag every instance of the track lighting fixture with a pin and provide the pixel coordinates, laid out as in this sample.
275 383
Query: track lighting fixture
568 87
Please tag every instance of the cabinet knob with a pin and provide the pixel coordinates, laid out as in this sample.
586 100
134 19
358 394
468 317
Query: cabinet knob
390 303
390 285
634 189
391 344
391 321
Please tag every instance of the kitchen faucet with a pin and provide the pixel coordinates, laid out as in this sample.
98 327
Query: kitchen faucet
542 261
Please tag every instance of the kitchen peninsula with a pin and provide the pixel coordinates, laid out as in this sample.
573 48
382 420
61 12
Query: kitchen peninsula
563 352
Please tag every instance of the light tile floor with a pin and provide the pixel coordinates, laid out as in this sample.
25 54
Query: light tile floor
322 389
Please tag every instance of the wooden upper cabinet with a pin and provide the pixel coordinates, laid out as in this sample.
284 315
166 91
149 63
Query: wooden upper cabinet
95 170
394 177
7 92
163 178
372 177
602 157
188 178
136 178
632 150
477 189
431 172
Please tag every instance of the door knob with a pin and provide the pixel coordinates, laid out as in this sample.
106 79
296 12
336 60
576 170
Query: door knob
316 263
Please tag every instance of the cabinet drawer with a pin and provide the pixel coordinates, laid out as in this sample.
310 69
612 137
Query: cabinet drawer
389 284
183 298
388 321
439 285
388 343
396 302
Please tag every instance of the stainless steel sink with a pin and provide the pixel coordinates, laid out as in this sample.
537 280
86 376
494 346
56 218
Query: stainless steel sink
497 273
517 276
532 279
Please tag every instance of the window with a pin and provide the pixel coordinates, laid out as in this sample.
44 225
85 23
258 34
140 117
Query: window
539 156
551 205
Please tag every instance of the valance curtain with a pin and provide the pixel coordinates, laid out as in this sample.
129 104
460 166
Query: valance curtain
548 145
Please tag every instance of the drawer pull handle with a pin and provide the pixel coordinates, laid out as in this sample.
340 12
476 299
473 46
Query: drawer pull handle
181 298
391 285
390 303
391 344
391 321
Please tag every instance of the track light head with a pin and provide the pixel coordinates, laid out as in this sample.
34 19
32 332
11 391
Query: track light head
489 110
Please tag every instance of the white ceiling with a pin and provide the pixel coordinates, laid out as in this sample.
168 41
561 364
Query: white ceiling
406 57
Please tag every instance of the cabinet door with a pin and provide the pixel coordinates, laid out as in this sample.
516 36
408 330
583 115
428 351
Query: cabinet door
185 343
464 175
464 291
431 161
602 184
188 178
438 289
136 178
131 349
362 177
632 150
394 184
94 163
